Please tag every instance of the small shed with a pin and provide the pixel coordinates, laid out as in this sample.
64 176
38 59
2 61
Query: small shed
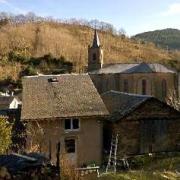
144 124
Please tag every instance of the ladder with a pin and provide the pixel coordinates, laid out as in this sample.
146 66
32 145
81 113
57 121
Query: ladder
112 161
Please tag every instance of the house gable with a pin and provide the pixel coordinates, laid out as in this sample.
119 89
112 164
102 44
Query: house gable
153 109
133 106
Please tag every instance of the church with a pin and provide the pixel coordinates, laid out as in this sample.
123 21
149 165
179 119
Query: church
143 78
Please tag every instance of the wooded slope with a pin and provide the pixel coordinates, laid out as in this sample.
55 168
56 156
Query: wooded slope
20 42
166 38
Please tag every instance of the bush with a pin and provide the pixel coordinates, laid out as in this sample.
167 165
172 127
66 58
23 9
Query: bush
17 57
29 71
5 135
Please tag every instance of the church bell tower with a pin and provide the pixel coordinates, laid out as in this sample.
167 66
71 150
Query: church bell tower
95 54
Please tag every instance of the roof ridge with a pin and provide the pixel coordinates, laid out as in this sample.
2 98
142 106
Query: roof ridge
56 75
129 94
130 68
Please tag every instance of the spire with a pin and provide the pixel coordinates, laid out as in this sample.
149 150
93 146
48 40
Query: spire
96 42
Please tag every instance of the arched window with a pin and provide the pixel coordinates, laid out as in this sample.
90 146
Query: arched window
94 56
126 86
144 87
164 88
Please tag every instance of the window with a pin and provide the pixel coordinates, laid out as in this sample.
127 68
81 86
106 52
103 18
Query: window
75 123
126 88
71 124
67 123
144 87
164 88
94 56
70 146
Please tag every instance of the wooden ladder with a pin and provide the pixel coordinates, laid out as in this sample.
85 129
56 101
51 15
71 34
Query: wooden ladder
112 161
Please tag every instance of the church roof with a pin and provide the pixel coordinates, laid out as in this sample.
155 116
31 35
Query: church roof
58 96
133 68
96 41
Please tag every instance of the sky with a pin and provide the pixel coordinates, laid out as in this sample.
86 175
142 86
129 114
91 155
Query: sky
134 16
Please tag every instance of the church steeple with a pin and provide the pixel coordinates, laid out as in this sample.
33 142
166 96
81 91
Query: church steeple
95 54
96 42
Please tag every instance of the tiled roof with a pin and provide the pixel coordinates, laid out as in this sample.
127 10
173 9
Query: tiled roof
133 68
56 96
6 100
120 104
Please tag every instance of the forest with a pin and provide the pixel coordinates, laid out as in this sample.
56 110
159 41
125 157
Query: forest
166 38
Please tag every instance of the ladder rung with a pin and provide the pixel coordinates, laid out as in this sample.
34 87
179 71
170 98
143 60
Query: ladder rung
113 158
113 144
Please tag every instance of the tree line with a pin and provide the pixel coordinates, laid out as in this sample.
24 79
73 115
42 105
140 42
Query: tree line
32 17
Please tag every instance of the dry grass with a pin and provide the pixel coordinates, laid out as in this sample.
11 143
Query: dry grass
71 41
68 171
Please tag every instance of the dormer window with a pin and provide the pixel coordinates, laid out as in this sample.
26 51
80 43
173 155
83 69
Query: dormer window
71 124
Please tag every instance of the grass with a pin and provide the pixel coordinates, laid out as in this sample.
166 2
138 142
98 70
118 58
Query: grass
142 175
160 167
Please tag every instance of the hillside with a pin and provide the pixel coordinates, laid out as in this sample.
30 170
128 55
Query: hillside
30 47
166 38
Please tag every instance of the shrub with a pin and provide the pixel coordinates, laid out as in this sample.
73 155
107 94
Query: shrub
29 71
5 135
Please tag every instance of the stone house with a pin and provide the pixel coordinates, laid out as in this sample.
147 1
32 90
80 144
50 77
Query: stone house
66 109
144 124
138 78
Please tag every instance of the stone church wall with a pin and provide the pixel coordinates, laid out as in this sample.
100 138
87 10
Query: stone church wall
107 82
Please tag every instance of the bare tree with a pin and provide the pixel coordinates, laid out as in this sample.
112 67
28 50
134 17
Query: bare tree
173 100
36 137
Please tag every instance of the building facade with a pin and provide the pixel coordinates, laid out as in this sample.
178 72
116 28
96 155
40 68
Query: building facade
65 110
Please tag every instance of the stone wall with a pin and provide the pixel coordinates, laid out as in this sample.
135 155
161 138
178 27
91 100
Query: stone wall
174 135
129 133
130 136
152 127
106 82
